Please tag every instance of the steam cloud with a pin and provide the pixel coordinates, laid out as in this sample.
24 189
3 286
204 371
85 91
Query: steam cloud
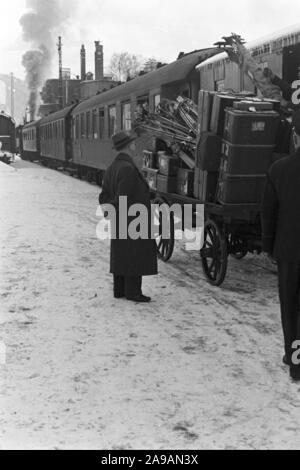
41 26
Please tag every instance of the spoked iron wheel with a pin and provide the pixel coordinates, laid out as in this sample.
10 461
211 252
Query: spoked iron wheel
237 247
165 239
214 253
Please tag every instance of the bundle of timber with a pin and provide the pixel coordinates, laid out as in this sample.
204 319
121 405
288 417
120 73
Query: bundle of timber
175 122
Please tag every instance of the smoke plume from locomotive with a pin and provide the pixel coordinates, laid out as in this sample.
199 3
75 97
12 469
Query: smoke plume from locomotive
41 25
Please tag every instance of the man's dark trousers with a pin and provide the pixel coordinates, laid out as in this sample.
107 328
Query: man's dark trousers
128 286
289 294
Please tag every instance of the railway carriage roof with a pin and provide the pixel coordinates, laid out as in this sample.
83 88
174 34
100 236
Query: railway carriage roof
283 33
62 113
31 124
174 72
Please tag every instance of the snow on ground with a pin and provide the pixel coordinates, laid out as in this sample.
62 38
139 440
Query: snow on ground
199 367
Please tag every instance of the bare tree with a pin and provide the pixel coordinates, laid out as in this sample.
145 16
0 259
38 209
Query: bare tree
150 64
124 66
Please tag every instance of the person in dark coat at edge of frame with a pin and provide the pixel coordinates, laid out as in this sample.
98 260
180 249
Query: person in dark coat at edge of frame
280 216
130 259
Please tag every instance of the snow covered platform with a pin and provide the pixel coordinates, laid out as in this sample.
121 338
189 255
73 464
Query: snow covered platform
6 168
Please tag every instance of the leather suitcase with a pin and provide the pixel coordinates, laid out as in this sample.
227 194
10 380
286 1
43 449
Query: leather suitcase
185 182
167 164
209 151
166 184
205 185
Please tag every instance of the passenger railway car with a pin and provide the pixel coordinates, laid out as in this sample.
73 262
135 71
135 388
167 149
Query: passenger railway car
31 141
55 138
98 118
279 52
7 137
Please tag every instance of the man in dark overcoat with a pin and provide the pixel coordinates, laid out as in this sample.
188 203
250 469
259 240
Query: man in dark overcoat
281 240
130 259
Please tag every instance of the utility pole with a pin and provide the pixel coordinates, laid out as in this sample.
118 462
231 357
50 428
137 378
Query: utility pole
12 95
60 79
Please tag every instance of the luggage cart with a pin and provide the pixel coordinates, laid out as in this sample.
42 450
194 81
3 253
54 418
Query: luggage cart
229 229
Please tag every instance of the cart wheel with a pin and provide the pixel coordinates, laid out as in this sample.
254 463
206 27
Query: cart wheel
164 246
214 253
237 247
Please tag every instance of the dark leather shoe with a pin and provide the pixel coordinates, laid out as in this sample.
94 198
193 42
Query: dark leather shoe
139 298
119 296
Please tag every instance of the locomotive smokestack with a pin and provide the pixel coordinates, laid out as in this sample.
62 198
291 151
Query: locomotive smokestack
98 61
82 62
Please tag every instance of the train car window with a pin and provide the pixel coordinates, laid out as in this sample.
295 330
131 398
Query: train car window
88 124
142 105
156 101
82 126
186 93
126 117
94 124
219 85
112 121
77 127
101 123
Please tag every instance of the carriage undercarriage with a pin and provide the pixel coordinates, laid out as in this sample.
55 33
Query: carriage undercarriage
229 230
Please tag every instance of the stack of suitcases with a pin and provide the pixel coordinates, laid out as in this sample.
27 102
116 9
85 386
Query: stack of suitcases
163 173
247 149
235 148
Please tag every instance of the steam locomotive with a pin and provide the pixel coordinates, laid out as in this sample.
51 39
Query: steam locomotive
7 138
